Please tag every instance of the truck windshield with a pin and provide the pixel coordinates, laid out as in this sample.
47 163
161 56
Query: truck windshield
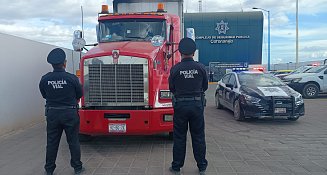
130 29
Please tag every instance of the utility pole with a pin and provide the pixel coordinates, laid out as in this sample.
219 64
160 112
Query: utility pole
200 6
268 12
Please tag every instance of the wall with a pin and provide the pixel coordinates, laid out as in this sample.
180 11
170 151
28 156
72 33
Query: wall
23 62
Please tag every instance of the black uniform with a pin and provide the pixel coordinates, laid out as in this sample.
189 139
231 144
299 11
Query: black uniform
188 81
211 76
61 91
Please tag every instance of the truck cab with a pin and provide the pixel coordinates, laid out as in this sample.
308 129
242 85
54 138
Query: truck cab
125 77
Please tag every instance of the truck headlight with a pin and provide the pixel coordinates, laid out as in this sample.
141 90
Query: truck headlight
168 117
165 94
296 80
299 100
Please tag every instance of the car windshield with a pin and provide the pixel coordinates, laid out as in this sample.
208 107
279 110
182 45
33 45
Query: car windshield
281 72
130 29
316 69
259 80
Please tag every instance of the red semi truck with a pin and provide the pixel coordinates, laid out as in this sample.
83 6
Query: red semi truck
125 77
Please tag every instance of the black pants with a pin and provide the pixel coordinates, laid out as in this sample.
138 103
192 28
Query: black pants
59 120
189 113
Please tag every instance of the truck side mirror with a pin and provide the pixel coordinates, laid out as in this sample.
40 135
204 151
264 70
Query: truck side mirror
78 41
78 34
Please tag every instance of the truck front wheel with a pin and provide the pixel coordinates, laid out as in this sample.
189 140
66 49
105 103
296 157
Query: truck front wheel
84 137
310 91
171 136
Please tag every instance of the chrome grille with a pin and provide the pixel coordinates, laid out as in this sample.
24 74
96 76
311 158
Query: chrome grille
116 84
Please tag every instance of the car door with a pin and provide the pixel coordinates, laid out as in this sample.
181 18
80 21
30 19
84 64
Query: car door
222 89
230 92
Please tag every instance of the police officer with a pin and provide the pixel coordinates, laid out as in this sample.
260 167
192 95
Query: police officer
211 76
188 81
62 91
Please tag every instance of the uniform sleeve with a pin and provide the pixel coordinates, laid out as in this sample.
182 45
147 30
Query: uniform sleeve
41 87
205 79
78 88
171 84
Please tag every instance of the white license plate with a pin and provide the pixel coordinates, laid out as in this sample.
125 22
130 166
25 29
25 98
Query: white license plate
280 110
117 127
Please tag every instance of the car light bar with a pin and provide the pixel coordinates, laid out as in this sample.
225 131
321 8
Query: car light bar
240 69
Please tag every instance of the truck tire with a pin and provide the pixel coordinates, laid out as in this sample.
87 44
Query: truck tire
84 138
171 135
310 90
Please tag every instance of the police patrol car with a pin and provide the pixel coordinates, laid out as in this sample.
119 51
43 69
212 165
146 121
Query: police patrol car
255 94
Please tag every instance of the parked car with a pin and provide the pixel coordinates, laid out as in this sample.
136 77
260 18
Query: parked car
301 69
282 73
309 83
258 95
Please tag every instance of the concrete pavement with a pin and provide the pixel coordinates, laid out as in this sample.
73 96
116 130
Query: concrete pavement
255 147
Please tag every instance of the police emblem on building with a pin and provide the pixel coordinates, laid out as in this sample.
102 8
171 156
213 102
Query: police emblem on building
222 27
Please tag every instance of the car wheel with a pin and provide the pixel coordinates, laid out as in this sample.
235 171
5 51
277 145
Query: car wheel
84 138
294 118
217 102
310 91
238 113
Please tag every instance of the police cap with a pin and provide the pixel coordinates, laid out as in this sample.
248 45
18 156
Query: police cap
56 56
187 46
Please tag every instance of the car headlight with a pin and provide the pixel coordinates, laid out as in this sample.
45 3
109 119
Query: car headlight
251 99
296 80
299 100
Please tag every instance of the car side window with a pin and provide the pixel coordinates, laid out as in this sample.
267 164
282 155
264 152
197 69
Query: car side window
225 79
232 80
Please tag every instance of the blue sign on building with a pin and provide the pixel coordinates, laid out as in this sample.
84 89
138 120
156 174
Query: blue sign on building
229 37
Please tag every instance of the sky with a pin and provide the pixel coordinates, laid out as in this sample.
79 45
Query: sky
53 22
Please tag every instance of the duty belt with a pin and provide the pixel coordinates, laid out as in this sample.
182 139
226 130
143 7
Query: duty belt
61 107
188 99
